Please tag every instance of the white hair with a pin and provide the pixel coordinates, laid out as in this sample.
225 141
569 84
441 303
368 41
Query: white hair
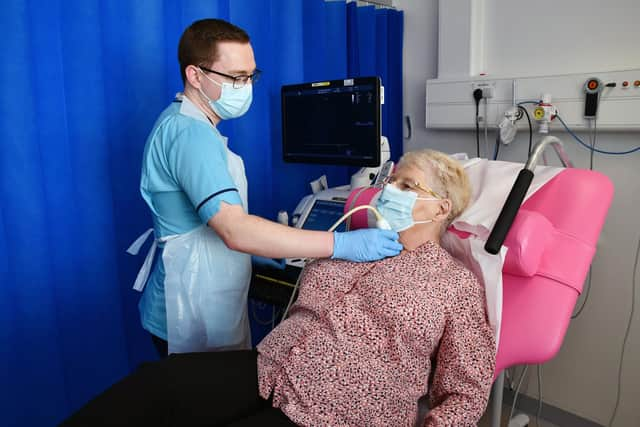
447 178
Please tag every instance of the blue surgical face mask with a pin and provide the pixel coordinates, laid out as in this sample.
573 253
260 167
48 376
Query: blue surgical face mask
232 102
396 206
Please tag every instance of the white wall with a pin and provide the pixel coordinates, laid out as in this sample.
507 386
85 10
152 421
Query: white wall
582 379
596 35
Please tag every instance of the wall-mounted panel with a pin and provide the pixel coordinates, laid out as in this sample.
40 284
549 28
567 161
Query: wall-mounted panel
450 103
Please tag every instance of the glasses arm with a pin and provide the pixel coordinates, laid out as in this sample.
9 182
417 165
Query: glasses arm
217 72
242 78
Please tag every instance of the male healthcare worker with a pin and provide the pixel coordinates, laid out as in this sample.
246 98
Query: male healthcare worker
196 189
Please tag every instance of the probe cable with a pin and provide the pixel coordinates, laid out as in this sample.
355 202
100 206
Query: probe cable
380 221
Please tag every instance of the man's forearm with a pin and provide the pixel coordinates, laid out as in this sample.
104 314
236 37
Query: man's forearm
258 236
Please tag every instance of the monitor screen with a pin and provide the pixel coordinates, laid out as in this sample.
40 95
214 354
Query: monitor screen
335 122
323 214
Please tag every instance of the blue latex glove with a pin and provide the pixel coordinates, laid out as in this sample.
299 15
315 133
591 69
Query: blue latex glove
260 261
368 244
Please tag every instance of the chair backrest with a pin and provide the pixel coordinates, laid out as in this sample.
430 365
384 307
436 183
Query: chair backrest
536 309
551 245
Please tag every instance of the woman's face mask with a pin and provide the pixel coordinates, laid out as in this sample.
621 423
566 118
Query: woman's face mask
232 102
396 206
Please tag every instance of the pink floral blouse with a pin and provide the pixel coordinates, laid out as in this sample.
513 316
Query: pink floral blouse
362 340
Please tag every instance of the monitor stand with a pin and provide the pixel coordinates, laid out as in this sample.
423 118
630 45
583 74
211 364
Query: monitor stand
365 176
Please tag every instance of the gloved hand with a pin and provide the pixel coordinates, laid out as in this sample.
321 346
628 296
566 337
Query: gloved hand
367 244
262 262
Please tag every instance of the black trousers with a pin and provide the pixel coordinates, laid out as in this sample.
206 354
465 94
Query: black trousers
161 346
192 389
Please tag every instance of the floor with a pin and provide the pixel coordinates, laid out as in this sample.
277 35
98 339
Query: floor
485 421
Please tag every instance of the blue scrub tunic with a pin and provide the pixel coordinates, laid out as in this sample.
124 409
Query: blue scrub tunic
184 179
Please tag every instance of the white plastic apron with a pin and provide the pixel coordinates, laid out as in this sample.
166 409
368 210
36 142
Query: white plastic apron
206 284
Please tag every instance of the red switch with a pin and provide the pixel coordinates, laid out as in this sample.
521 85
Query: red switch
625 83
636 83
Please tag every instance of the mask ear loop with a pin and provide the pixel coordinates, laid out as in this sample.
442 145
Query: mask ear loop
431 199
209 101
209 78
426 221
204 95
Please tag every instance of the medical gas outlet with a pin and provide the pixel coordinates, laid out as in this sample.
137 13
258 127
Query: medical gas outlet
507 127
544 113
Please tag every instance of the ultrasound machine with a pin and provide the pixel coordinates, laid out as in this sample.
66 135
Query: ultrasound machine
336 122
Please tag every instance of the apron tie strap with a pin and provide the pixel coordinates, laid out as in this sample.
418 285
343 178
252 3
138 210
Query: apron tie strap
145 270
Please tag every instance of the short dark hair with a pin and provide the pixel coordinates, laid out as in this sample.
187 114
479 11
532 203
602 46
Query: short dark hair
199 42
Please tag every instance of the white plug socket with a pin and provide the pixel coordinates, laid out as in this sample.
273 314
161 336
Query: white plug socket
488 89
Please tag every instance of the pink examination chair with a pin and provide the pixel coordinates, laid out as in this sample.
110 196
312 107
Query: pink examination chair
551 239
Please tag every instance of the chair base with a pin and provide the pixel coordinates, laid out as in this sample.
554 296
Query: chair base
520 420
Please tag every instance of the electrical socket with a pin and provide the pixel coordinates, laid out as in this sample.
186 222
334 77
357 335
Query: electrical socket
488 89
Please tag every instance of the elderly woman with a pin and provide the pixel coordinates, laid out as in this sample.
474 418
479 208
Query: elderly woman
363 342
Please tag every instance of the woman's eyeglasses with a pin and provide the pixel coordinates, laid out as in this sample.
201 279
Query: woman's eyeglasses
408 184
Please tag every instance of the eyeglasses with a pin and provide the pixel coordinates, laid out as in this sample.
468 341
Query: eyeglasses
404 184
238 81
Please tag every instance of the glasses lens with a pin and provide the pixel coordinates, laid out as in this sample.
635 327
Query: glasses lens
402 184
239 82
256 76
411 185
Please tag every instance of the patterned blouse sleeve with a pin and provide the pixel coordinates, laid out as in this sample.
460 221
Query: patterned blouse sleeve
464 363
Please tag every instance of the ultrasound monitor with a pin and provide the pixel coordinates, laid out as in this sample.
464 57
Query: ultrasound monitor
333 122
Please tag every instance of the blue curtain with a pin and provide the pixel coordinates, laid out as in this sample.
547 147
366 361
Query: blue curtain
83 82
